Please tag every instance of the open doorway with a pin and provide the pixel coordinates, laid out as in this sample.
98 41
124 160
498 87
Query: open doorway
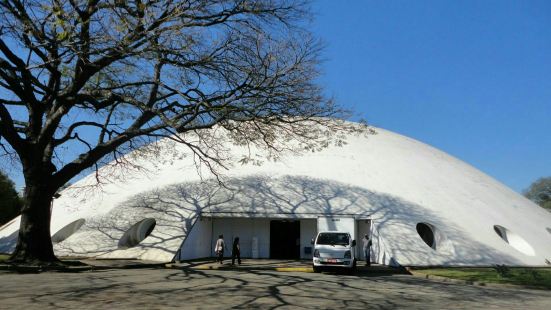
363 227
285 239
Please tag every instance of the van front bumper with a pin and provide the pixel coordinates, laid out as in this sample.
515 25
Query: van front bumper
332 262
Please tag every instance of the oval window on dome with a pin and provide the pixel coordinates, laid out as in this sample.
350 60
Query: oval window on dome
137 233
514 240
67 231
426 232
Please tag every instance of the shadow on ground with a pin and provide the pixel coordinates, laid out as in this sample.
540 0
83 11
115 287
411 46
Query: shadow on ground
153 288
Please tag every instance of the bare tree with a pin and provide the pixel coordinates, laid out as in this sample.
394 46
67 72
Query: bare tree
84 81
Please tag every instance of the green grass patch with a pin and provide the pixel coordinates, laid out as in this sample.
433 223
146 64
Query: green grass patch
538 277
4 257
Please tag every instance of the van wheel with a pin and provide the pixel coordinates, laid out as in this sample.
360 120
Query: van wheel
316 269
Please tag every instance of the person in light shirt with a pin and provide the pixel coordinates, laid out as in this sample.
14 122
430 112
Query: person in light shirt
219 249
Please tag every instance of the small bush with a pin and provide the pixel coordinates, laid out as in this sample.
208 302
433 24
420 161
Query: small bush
502 270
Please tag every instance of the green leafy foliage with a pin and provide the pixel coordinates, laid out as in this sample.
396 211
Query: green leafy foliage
10 203
540 192
502 270
526 276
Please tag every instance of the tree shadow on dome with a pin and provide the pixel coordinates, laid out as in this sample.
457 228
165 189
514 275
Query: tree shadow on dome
177 207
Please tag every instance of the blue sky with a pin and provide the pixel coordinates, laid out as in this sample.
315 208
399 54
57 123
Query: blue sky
472 78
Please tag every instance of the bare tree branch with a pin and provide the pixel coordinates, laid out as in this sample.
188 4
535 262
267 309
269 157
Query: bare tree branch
91 80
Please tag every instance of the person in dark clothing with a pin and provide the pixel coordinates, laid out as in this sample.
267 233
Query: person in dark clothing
236 252
367 250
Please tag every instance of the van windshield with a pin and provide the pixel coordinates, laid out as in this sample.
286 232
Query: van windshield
333 239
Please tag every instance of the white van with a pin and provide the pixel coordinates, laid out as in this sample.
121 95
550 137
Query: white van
334 249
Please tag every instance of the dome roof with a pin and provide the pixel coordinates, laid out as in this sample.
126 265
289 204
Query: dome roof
427 207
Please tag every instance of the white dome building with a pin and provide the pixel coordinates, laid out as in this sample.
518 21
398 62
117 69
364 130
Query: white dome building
420 205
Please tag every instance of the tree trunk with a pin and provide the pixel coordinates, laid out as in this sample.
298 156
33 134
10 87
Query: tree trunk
34 245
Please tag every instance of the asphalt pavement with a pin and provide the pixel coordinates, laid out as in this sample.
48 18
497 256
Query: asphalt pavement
189 287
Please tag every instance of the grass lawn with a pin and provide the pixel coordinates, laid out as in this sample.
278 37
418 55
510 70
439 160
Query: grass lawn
3 257
540 277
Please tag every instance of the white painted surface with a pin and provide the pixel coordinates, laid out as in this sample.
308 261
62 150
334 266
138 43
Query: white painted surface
337 223
198 242
395 180
245 229
307 233
255 251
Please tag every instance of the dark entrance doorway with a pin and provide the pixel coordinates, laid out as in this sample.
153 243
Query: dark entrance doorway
285 239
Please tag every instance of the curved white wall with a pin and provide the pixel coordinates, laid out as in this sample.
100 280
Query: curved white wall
395 180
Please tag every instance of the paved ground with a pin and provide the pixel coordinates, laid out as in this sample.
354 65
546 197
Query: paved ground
249 264
157 288
266 264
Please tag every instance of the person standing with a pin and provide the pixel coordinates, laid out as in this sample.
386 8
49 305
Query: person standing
219 249
236 252
367 250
